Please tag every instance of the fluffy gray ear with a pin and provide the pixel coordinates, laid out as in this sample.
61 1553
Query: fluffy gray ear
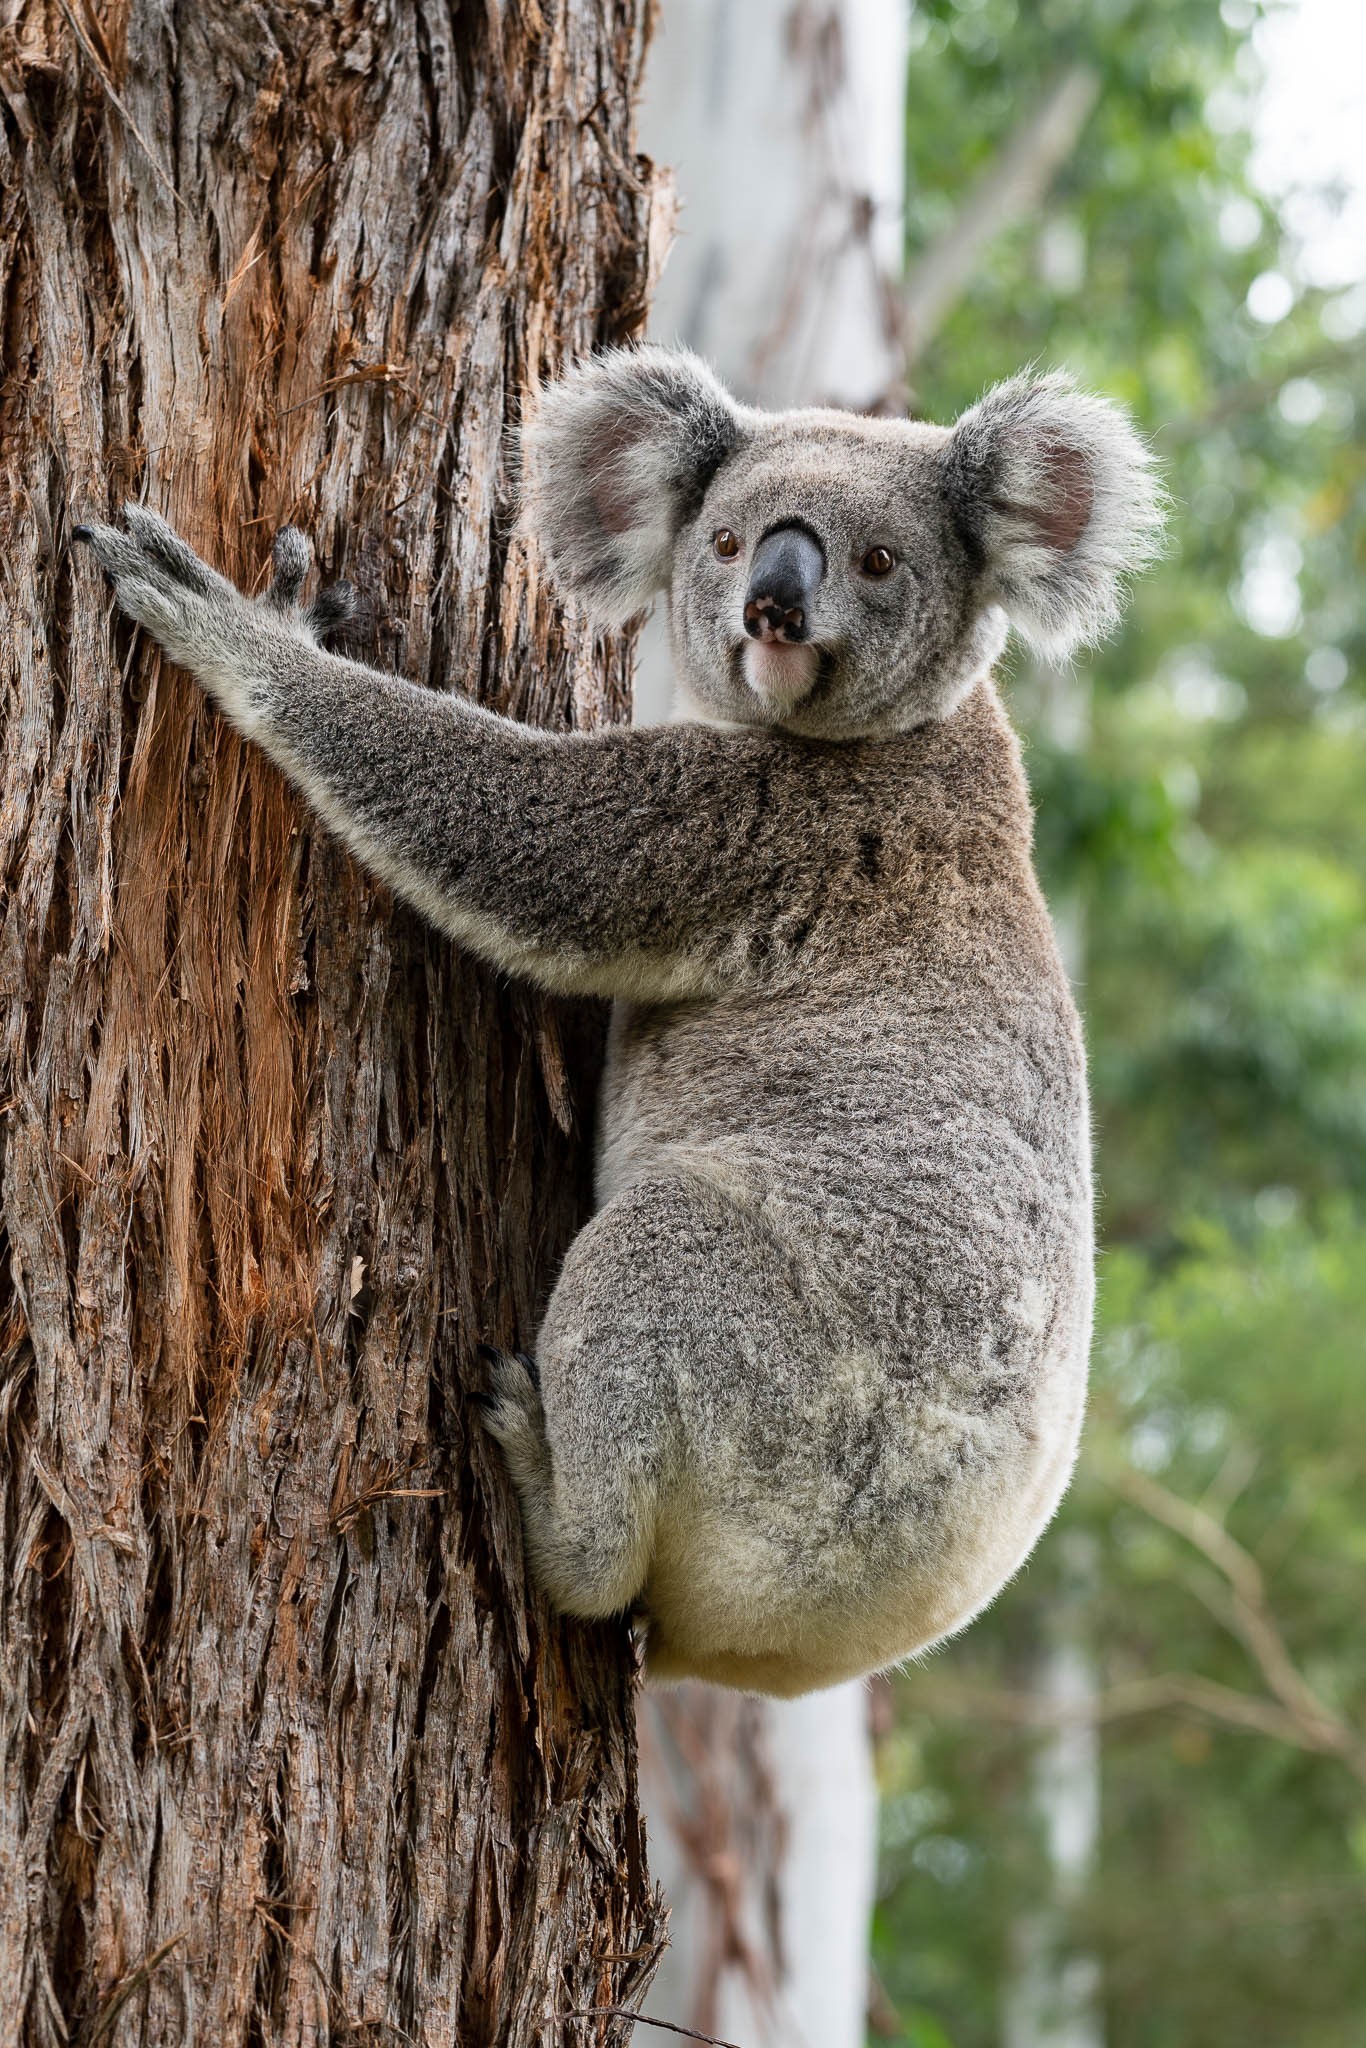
614 458
1059 493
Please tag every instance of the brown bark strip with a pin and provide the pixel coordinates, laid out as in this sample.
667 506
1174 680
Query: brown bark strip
286 1755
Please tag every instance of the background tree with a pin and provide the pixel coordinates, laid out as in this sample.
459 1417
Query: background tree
762 1812
286 1754
1207 819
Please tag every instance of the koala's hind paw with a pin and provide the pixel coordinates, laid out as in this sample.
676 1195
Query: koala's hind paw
511 1409
586 1524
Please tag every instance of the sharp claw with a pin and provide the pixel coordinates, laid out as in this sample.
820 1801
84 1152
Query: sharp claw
530 1368
106 543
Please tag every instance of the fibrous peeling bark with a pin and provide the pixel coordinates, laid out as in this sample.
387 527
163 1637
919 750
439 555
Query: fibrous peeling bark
287 1755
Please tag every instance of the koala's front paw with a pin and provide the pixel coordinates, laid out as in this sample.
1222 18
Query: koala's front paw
233 646
196 615
332 611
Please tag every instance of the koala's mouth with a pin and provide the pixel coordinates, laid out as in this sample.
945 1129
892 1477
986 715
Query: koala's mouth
778 673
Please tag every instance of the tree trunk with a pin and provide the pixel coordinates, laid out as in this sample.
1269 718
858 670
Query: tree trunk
287 1754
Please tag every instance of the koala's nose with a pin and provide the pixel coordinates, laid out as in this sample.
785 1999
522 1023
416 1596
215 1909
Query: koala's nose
788 566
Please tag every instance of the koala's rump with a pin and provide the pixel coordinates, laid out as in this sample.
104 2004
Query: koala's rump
877 1392
921 1144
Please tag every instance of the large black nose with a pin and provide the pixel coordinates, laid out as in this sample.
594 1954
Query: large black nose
789 563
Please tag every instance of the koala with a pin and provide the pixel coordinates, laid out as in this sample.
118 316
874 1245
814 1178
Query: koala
810 1382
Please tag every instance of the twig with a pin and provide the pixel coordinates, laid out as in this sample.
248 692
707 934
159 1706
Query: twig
363 373
1008 191
1248 1615
381 1486
123 1991
1163 1693
640 2019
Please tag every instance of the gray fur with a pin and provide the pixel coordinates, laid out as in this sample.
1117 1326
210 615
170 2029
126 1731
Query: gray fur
1063 500
614 456
811 1379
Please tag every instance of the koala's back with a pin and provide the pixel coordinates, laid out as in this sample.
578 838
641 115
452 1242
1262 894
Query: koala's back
873 1173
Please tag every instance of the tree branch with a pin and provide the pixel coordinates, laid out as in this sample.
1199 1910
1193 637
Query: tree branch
1164 1693
1012 185
1293 1714
1248 1615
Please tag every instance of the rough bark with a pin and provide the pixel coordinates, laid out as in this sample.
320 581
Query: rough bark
286 1752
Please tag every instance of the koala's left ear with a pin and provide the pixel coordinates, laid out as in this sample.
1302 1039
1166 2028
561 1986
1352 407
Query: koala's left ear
614 457
1059 494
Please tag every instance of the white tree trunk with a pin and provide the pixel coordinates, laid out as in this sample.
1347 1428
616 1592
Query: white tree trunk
1052 1994
761 1818
783 123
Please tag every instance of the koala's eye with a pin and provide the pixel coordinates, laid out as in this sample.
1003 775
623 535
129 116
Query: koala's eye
725 543
878 562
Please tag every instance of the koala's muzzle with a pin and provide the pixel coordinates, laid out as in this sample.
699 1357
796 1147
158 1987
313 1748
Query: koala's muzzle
788 566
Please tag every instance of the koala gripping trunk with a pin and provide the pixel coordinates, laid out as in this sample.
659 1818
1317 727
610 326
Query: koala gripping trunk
287 1754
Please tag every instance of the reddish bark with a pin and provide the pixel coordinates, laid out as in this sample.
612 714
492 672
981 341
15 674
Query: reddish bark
286 1752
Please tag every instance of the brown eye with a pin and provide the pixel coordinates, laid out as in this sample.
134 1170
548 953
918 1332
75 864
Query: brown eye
878 562
726 543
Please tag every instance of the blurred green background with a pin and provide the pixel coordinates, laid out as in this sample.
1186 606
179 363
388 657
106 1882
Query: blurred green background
1175 1782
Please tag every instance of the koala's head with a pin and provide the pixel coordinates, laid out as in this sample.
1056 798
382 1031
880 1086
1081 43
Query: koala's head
832 574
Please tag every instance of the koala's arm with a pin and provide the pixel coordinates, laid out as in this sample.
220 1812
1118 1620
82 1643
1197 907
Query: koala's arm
611 863
655 863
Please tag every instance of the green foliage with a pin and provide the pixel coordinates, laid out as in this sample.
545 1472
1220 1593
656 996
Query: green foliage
1201 790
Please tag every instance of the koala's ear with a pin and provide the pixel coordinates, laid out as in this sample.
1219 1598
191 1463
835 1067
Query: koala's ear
614 458
1058 492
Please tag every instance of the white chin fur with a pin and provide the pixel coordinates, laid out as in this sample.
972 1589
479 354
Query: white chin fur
778 674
